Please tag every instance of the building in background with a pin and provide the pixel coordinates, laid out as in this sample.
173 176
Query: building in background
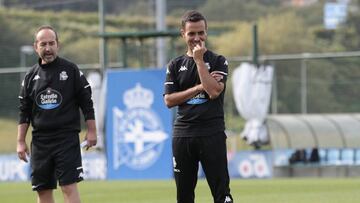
335 13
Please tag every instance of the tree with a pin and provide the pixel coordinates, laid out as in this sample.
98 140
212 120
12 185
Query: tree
349 32
245 10
278 34
10 43
283 34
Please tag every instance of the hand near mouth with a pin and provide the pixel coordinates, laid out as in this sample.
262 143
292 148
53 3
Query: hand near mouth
199 50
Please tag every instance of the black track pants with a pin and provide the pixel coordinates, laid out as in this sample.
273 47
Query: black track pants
210 151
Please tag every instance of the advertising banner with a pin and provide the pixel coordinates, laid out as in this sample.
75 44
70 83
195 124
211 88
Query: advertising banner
251 164
138 126
12 169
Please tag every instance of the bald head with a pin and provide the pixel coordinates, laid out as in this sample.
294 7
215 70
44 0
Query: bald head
46 27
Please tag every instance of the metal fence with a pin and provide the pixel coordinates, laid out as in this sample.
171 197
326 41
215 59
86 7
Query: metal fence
303 83
313 82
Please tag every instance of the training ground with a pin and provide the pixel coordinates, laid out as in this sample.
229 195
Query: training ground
309 190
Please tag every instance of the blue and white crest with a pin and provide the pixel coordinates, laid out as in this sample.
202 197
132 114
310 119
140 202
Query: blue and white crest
139 136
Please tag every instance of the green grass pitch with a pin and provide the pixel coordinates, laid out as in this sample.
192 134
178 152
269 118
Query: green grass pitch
307 190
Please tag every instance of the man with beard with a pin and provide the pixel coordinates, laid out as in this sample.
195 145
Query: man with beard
195 83
51 96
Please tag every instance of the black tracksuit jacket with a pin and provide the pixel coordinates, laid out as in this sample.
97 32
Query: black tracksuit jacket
51 97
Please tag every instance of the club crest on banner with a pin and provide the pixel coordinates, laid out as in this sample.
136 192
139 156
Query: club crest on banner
138 133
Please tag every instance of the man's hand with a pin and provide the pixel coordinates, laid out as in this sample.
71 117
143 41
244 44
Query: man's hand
22 150
217 76
199 50
199 88
91 139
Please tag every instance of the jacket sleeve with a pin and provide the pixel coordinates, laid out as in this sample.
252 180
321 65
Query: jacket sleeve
26 103
170 84
222 68
83 95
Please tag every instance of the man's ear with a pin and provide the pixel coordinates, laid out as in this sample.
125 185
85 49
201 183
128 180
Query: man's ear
182 32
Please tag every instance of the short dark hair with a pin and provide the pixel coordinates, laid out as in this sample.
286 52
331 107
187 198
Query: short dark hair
46 27
192 16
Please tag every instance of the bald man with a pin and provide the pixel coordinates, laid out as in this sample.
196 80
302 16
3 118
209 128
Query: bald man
51 95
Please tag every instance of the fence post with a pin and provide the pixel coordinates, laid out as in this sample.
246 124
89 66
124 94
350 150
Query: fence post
303 84
255 46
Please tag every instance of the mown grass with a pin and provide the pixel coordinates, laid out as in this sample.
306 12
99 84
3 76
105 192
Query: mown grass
344 190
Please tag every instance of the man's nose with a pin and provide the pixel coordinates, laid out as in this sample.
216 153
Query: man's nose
47 47
197 37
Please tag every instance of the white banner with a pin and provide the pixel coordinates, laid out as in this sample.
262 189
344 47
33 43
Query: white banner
252 93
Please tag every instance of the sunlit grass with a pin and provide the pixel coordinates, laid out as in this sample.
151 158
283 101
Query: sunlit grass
310 190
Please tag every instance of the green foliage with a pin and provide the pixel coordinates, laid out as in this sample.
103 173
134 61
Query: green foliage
84 51
348 34
9 88
345 38
312 15
319 82
329 82
77 33
282 30
10 42
343 82
244 10
282 33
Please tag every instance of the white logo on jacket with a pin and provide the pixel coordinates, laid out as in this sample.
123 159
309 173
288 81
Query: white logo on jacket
63 75
183 68
207 65
36 77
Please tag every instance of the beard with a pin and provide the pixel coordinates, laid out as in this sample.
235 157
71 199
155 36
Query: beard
48 57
